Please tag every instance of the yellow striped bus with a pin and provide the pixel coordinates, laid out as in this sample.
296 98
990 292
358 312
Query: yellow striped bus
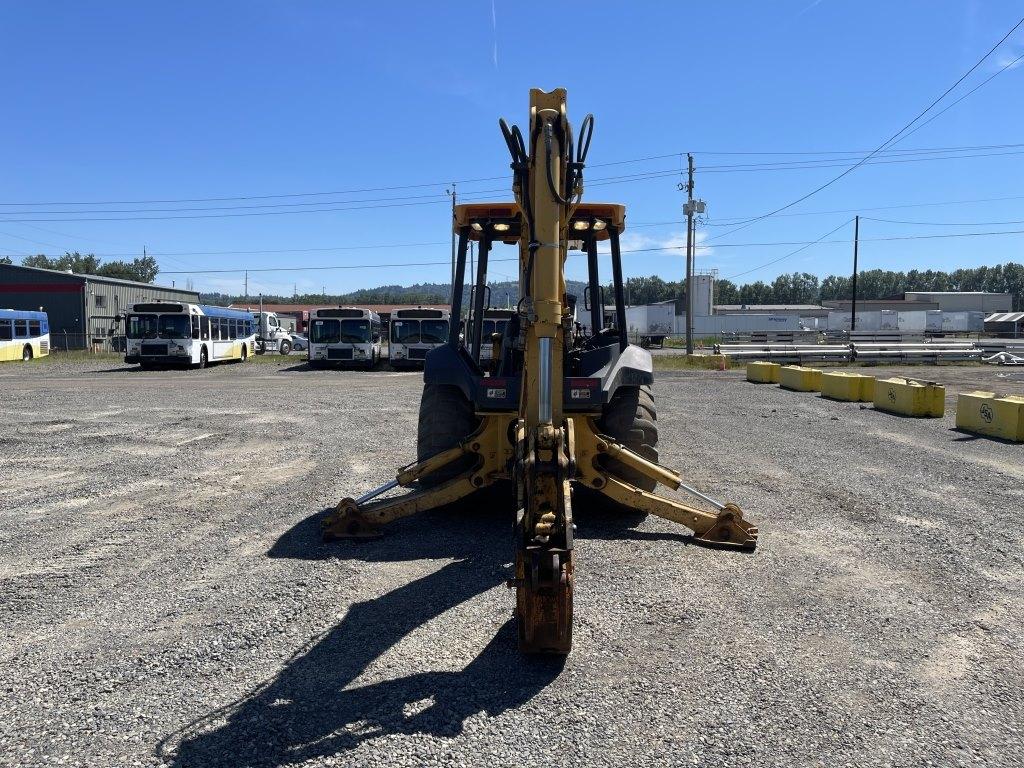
23 335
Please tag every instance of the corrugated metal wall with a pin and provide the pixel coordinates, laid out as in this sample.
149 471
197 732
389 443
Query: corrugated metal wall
81 308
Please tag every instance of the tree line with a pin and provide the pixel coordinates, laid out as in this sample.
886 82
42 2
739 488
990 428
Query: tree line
794 288
141 270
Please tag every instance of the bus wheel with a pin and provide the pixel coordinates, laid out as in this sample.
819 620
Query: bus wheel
203 358
285 348
26 353
245 353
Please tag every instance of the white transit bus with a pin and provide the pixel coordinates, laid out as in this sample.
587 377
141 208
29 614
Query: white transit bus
23 335
495 321
344 335
171 333
414 332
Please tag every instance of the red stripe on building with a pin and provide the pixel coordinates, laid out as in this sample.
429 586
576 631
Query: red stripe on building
42 287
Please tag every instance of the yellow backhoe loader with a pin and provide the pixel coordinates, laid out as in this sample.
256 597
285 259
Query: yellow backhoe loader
566 417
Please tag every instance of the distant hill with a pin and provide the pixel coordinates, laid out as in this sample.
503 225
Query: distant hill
500 295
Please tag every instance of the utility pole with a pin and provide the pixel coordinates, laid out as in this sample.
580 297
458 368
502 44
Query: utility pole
689 254
856 242
451 192
247 285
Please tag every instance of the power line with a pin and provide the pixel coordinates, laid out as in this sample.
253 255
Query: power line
791 253
239 270
888 141
442 184
471 197
946 223
728 223
761 168
998 72
653 249
858 151
346 205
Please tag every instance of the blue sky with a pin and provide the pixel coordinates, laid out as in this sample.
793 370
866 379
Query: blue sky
131 101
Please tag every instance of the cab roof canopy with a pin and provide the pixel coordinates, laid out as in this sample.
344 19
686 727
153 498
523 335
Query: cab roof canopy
502 221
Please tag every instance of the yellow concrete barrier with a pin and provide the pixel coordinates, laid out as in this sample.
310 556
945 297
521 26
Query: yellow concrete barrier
800 379
910 398
763 373
985 413
852 387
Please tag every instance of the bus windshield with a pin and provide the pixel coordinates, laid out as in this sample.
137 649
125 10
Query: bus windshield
325 332
355 331
405 331
175 327
434 331
159 327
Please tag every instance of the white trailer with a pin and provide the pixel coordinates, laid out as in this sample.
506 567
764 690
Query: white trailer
650 323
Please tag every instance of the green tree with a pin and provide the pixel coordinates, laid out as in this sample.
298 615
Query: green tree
143 270
76 262
727 292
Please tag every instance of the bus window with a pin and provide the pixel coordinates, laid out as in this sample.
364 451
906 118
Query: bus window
355 331
325 332
21 328
141 327
405 331
434 331
195 326
6 331
174 327
33 328
233 328
204 326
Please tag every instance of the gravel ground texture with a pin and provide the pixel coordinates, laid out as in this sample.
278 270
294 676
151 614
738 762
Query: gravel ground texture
165 598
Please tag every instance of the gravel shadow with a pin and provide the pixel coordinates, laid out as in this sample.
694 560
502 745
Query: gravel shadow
310 711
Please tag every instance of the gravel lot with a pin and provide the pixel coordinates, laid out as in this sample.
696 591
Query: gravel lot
165 598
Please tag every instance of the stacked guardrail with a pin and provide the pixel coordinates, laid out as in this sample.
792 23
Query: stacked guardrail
787 353
925 352
876 352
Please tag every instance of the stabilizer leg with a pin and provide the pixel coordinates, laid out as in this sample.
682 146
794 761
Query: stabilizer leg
724 528
349 520
361 518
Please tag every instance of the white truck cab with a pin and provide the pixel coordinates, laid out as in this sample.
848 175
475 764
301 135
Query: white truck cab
271 336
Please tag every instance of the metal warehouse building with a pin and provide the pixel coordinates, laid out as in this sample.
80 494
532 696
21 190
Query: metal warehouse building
82 308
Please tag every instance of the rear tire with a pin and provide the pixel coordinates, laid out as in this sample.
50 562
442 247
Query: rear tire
26 353
245 353
631 419
446 419
285 347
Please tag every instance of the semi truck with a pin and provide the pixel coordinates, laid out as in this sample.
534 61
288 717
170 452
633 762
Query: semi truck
271 336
